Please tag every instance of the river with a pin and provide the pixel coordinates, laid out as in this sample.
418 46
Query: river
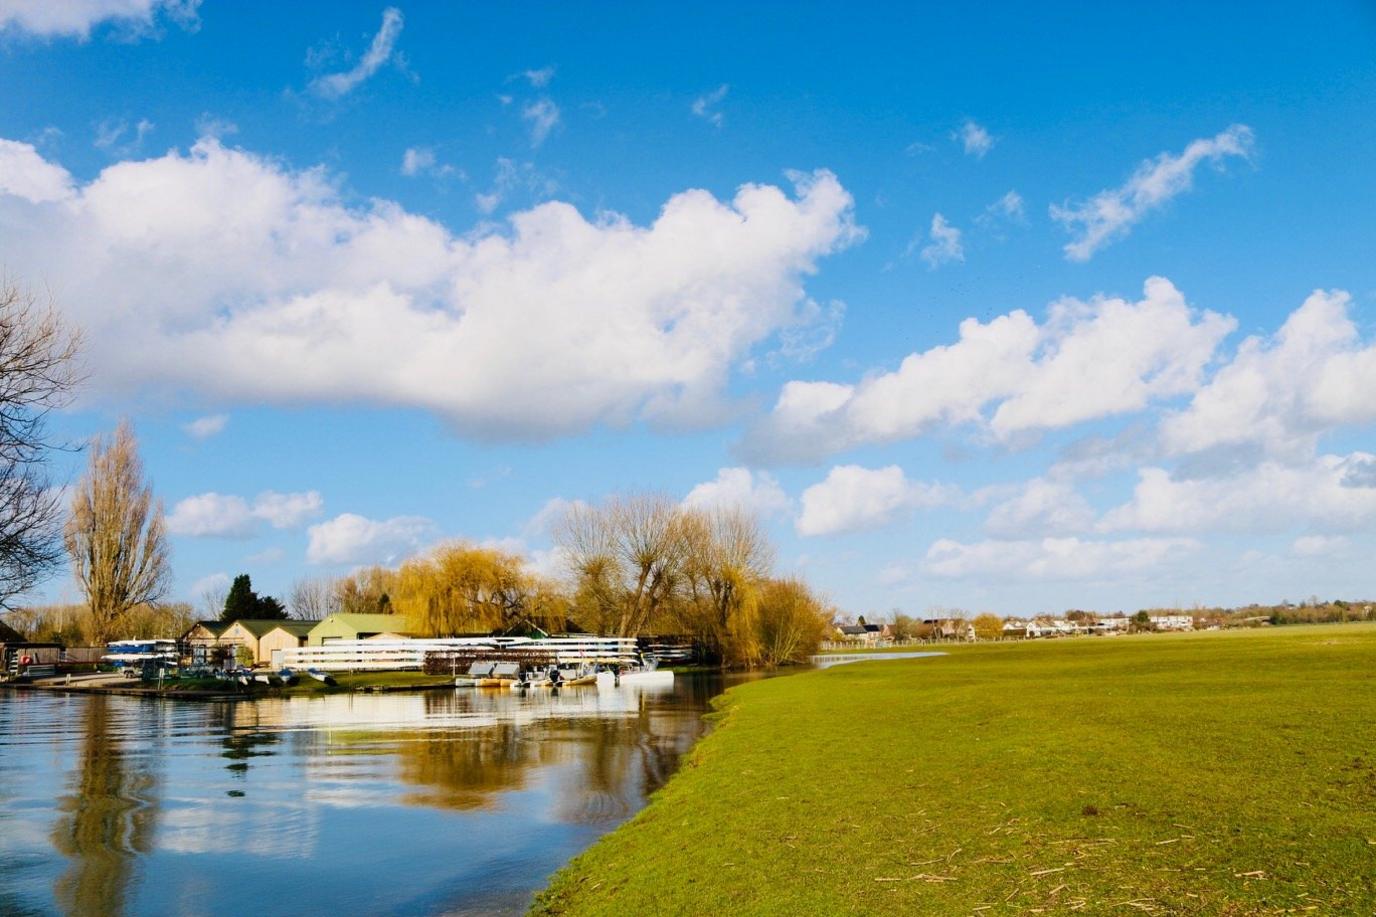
440 802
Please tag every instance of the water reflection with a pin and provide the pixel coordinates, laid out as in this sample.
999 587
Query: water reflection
107 818
466 800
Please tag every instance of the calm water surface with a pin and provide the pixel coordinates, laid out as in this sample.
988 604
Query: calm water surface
451 802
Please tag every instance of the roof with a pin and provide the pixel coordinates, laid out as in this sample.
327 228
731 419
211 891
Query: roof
9 634
261 627
215 627
851 629
368 624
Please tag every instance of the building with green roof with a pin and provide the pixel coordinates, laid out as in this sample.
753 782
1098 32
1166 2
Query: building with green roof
348 626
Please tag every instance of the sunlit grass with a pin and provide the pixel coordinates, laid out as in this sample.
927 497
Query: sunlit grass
1221 773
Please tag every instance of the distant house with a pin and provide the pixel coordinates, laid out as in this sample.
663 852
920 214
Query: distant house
1015 628
853 633
348 626
878 632
1114 625
1172 622
950 628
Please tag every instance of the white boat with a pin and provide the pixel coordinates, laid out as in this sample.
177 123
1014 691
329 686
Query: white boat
634 677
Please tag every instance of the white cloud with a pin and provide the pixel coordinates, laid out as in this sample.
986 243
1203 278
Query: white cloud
417 160
974 139
338 85
757 492
1278 395
706 105
1010 208
25 174
353 539
1318 545
117 138
1041 507
1051 558
1112 213
1039 377
543 116
214 515
945 246
421 160
207 426
539 78
853 498
547 516
208 125
1271 497
287 511
77 18
213 583
196 270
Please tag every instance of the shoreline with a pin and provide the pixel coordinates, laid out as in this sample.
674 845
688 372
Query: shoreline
351 683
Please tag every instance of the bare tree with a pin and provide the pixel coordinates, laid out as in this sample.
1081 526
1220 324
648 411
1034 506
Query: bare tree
115 534
314 598
37 374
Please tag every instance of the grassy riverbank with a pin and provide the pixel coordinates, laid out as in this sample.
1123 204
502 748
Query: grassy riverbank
1223 773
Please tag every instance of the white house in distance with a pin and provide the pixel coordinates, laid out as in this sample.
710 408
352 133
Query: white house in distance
1172 622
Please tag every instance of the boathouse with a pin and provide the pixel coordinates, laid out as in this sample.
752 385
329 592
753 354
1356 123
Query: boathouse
348 626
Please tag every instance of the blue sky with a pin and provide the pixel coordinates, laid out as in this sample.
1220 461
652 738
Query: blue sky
369 277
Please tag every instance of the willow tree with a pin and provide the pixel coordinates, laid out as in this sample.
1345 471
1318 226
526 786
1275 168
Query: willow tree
728 556
37 374
115 534
462 588
629 557
790 621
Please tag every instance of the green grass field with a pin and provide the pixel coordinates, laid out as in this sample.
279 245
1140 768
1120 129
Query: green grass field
1220 773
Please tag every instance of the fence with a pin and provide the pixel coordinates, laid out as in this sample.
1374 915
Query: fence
446 654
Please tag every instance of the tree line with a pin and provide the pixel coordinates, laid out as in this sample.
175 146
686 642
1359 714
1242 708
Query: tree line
633 565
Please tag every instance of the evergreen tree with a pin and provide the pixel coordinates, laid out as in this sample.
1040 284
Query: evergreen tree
241 602
269 609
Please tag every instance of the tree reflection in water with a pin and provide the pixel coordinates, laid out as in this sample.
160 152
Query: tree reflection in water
107 819
605 764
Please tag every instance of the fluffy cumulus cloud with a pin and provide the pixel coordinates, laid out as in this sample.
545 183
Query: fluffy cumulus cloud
1052 558
1010 376
1270 497
227 516
223 272
27 176
1111 214
353 539
758 492
1277 395
78 18
1042 506
853 498
380 51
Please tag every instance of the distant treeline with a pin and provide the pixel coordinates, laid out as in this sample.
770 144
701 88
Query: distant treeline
1313 611
73 625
